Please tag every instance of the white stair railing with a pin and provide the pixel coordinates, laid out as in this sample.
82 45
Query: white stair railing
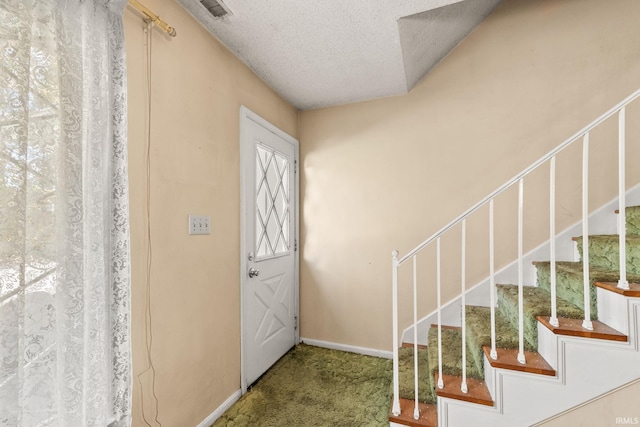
553 320
585 233
521 357
395 409
492 283
622 220
439 284
519 179
463 311
416 412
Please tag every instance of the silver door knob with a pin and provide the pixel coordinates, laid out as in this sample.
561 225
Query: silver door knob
253 272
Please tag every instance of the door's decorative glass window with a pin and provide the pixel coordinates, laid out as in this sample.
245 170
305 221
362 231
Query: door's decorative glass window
272 203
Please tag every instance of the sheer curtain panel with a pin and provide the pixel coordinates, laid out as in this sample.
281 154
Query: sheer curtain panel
65 357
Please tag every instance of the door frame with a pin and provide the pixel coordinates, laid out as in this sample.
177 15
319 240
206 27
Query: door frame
247 156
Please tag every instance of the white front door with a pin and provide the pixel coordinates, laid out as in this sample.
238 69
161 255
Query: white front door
269 245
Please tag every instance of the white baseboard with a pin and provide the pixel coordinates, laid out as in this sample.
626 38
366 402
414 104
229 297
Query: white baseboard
350 348
220 409
325 344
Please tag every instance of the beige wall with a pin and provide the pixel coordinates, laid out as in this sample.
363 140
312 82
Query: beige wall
197 89
605 411
385 174
555 62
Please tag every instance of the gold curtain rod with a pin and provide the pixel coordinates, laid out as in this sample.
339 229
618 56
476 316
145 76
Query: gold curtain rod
153 17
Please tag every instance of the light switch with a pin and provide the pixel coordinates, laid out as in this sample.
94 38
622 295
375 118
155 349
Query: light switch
199 224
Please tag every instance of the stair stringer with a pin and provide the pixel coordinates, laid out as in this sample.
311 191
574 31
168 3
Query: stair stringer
585 369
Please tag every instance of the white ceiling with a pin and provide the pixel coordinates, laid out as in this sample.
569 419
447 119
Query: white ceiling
331 52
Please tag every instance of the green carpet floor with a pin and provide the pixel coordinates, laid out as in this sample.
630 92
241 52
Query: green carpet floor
313 386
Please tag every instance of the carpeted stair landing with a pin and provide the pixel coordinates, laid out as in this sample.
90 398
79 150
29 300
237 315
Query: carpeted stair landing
604 265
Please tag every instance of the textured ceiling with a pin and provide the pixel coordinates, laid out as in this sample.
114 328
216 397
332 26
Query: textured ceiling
331 52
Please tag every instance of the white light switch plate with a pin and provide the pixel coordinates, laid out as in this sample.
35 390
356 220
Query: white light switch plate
199 224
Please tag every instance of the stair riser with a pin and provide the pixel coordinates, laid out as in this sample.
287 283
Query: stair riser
548 345
613 309
425 379
478 334
489 378
604 253
477 358
509 309
452 347
633 220
569 286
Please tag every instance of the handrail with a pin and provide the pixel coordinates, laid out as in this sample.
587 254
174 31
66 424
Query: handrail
522 174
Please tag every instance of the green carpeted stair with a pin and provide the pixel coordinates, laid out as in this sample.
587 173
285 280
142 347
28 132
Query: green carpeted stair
428 364
479 334
604 252
604 262
425 381
537 302
570 283
451 354
633 220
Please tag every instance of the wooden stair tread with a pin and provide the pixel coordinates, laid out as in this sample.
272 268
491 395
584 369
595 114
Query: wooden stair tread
428 414
477 390
573 327
633 291
508 359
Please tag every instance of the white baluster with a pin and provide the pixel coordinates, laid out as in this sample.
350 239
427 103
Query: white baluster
586 323
552 240
492 283
396 376
416 411
440 380
521 357
463 385
622 219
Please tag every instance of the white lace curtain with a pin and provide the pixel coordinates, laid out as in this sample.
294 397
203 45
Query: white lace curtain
64 225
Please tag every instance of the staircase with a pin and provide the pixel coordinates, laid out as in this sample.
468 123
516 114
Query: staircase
535 349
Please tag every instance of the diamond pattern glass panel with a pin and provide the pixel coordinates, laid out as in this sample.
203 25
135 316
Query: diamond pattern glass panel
272 203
